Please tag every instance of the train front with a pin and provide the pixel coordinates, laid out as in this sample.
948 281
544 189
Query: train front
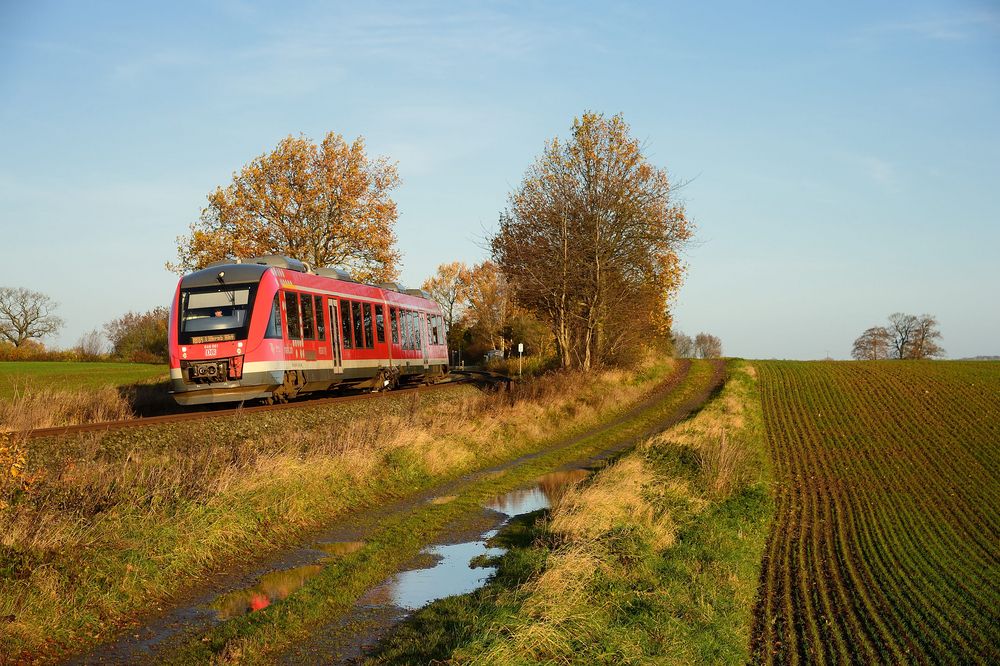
214 326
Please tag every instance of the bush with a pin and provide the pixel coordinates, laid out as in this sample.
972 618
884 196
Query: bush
140 337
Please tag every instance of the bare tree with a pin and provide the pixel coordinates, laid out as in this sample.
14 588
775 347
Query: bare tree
901 329
873 344
26 315
683 345
923 340
91 345
707 346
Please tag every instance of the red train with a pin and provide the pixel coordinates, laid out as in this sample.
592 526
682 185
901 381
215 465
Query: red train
273 328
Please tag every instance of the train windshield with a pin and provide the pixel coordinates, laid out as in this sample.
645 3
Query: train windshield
215 312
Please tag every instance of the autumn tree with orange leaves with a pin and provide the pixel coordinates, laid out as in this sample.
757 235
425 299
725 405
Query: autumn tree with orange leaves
326 204
590 241
449 286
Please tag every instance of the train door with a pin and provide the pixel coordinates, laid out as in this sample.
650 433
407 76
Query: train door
338 362
425 341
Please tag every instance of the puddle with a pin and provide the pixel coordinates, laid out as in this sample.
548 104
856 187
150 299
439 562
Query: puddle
272 587
277 585
341 548
448 570
451 574
547 492
443 499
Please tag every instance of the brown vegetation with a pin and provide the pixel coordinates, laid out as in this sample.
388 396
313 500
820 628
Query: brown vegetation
326 204
47 406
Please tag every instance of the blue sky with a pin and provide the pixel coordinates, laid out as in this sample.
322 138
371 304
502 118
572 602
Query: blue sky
842 160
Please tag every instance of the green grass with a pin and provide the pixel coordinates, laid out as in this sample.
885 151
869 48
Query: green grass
884 549
72 375
670 578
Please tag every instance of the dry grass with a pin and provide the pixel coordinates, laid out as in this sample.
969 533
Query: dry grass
104 531
48 407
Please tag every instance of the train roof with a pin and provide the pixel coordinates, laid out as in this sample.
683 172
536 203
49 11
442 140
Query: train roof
229 274
251 270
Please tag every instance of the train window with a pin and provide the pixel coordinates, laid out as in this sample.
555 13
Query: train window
308 318
214 312
292 315
274 321
359 337
345 323
418 320
379 324
434 330
320 327
395 326
369 338
407 329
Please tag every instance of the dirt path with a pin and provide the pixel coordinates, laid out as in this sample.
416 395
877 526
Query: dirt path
195 616
346 639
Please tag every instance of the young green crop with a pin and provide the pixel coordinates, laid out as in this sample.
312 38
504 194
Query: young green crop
885 544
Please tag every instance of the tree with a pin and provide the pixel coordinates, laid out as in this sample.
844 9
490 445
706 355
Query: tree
923 341
707 346
91 344
490 305
326 205
906 337
26 315
140 337
449 287
589 241
873 345
683 345
901 328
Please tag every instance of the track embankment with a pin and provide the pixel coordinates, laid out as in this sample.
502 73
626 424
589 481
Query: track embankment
311 400
884 548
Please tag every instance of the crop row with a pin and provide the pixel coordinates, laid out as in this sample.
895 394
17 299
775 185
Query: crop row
884 546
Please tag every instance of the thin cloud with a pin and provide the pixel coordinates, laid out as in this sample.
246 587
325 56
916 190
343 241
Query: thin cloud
954 28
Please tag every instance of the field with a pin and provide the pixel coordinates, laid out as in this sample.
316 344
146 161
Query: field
15 376
885 543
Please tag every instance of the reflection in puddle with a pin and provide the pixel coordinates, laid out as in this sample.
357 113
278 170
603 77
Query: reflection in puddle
341 548
277 585
450 575
443 499
272 587
548 491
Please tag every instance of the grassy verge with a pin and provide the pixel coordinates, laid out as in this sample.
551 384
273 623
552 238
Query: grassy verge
657 558
255 637
98 527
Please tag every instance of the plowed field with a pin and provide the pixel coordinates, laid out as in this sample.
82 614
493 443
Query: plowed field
885 544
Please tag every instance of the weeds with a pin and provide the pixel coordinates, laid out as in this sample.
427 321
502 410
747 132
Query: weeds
48 407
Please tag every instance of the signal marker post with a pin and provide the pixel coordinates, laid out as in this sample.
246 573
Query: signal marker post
520 350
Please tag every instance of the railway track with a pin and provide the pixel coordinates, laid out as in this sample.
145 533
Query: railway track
456 377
